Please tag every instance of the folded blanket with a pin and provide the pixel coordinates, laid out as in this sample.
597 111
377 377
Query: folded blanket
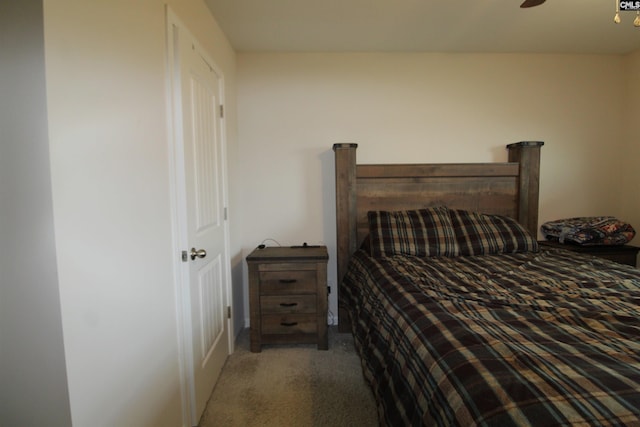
595 230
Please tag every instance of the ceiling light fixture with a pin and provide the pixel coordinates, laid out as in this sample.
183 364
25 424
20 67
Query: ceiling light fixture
625 6
531 3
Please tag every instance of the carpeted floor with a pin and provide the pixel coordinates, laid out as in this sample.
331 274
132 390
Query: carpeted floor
292 385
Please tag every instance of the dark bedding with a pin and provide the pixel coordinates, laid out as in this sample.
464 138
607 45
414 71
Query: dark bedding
532 338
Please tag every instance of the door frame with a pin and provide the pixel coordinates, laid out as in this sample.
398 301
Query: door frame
178 204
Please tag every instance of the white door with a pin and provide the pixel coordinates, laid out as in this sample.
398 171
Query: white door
205 284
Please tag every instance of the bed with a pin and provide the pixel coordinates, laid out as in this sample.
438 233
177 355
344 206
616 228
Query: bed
458 315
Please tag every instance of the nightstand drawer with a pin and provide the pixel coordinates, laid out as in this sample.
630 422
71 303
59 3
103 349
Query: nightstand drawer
288 282
289 324
288 304
288 295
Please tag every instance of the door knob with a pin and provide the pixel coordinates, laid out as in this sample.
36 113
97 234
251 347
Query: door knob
200 253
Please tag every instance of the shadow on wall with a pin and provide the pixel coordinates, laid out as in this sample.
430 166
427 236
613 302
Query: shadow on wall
327 161
238 294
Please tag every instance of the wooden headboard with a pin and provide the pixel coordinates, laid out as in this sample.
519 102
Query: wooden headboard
505 188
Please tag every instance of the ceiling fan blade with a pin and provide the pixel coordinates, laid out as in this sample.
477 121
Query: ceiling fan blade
531 3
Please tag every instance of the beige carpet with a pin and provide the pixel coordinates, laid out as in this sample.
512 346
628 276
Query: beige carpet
292 385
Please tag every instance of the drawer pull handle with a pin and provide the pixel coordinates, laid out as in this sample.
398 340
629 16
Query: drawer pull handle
288 280
288 323
288 304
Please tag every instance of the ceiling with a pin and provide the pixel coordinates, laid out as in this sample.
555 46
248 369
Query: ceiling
557 26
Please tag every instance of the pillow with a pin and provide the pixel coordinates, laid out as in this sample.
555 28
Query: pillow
421 232
479 234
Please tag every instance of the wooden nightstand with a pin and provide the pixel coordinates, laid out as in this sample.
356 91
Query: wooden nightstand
623 254
288 296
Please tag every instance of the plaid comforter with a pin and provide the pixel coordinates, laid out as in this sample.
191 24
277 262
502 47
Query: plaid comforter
539 338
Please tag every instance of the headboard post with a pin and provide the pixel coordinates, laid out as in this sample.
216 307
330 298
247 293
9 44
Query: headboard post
527 154
345 164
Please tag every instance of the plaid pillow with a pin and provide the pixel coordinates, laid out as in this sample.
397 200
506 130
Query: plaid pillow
422 232
479 234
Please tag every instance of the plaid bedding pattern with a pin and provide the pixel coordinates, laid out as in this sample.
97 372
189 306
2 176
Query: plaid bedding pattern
479 234
420 232
547 338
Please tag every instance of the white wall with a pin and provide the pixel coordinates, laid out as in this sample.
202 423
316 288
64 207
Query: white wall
111 207
108 135
420 108
33 382
629 155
